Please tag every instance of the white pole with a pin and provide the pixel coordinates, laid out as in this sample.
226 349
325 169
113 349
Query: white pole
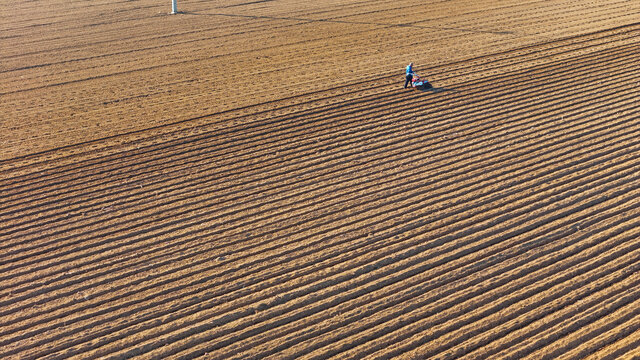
174 6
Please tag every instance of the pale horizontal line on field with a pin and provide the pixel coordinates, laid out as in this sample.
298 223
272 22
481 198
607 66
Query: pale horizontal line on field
246 3
409 25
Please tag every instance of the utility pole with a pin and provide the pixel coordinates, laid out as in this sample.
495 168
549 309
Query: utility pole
174 6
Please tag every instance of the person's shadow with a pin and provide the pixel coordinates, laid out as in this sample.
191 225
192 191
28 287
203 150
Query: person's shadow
428 87
436 89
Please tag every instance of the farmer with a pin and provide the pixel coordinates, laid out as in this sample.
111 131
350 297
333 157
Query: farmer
409 75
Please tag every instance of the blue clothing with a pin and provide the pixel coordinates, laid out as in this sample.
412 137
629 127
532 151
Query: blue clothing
409 70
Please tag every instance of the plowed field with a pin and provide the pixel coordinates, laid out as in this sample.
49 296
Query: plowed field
249 180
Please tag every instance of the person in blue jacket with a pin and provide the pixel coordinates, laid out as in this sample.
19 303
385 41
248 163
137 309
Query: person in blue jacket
409 75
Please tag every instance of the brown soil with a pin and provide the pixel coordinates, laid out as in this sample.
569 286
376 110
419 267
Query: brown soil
249 180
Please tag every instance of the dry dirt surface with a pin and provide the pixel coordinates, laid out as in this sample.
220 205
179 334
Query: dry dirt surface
249 180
